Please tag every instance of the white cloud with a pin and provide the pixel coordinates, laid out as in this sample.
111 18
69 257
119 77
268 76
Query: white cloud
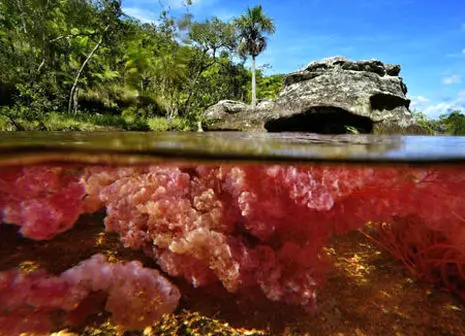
454 79
434 111
142 15
419 100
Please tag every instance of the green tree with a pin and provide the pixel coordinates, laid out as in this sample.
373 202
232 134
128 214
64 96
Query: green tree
268 87
209 39
251 28
109 12
454 121
89 58
223 80
423 121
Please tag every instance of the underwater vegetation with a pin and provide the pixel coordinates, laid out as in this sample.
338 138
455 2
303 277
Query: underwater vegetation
251 228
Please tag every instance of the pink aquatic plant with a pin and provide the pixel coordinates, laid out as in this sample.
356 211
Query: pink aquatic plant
245 226
43 200
240 223
137 296
249 227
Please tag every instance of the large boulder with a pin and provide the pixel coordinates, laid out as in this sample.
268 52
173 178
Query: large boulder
333 95
230 115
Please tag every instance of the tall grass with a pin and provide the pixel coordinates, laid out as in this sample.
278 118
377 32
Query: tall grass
84 121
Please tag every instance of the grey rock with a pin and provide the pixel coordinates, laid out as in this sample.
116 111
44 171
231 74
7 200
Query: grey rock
392 69
229 115
333 95
224 108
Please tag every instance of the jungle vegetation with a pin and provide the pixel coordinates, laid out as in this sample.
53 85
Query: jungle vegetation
450 123
86 65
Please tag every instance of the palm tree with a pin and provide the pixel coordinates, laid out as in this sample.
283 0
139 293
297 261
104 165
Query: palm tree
251 28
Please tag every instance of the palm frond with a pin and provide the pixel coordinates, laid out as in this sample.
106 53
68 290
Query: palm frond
251 29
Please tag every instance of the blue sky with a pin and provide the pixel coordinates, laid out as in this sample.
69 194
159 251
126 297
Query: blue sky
426 37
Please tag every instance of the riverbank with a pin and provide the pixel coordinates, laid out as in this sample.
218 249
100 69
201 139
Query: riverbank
88 122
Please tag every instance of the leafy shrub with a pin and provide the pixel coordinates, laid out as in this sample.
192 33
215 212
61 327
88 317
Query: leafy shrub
6 124
160 124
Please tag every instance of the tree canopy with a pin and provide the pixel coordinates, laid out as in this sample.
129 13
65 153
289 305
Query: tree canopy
88 61
454 122
450 123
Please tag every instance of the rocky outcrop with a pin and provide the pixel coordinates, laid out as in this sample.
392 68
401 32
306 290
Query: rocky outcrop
230 115
333 95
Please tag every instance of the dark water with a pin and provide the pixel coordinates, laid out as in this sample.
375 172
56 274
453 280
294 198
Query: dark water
295 234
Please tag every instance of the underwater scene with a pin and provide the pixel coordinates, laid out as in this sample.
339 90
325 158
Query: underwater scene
231 234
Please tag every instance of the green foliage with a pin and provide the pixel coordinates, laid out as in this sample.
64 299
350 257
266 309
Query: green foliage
6 124
423 121
351 129
251 29
451 123
114 72
268 87
163 124
63 122
82 121
454 122
252 26
213 35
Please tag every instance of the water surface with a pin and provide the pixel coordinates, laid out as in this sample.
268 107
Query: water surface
144 147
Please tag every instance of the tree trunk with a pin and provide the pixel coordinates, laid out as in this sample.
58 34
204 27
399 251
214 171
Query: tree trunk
254 88
44 41
192 92
23 20
72 94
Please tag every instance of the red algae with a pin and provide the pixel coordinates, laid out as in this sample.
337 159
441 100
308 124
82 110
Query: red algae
247 227
43 200
137 296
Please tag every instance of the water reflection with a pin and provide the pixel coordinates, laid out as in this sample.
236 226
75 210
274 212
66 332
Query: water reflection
143 147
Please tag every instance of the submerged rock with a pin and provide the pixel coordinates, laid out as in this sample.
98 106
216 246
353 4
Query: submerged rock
330 96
